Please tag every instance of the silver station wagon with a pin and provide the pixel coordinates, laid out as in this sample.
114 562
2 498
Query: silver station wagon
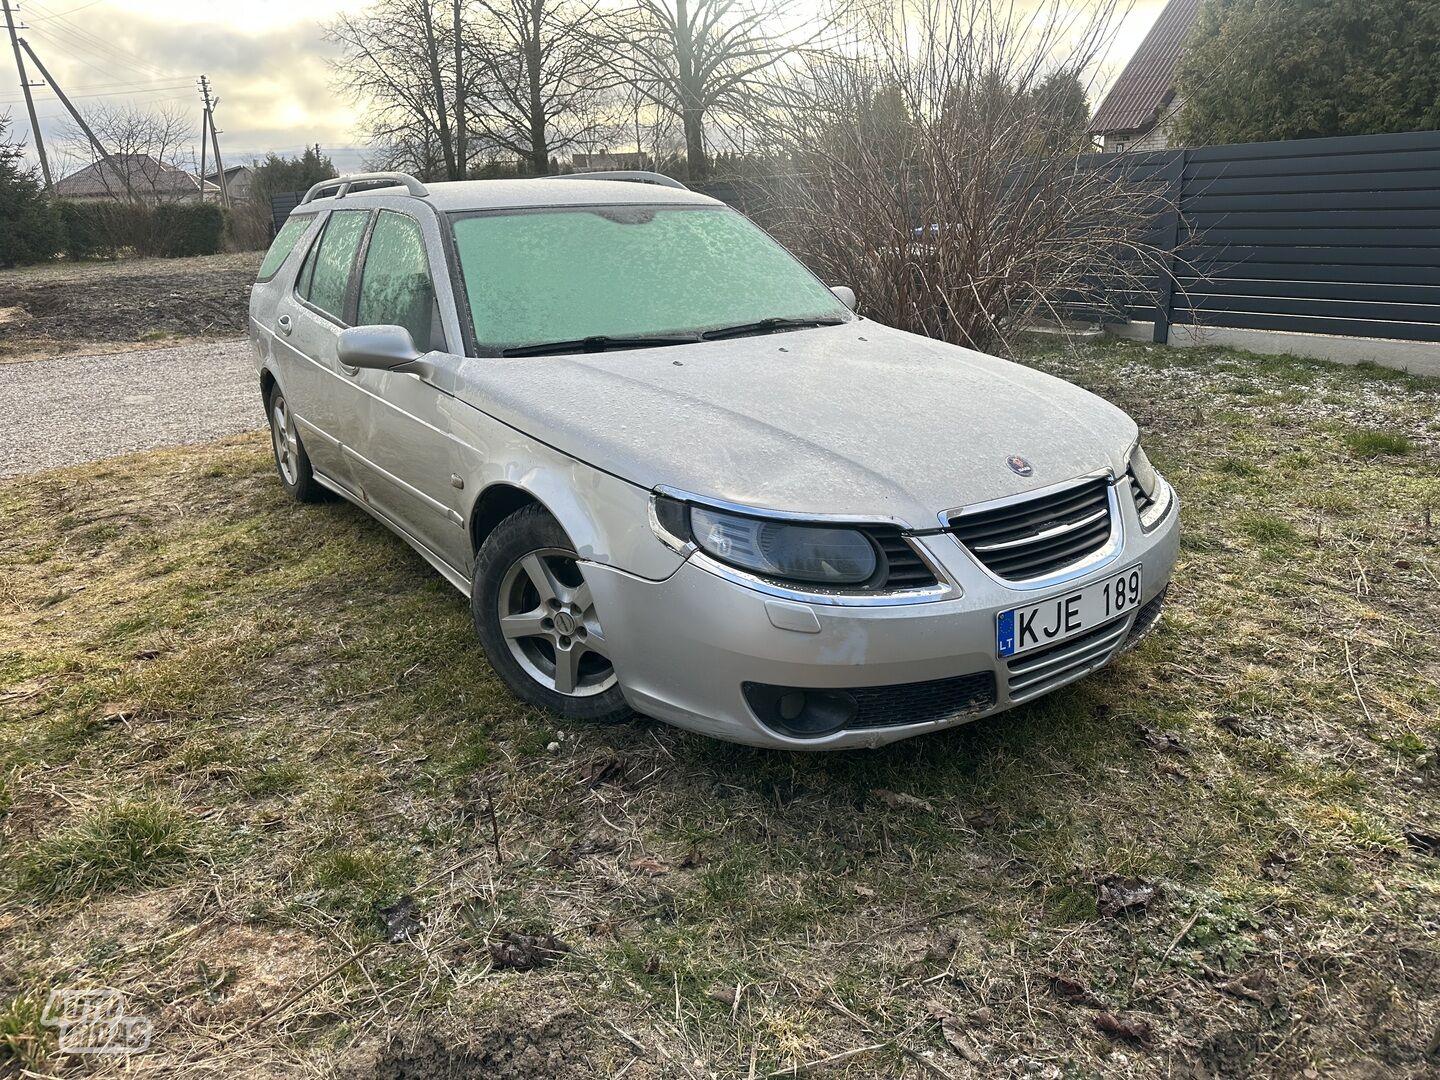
676 473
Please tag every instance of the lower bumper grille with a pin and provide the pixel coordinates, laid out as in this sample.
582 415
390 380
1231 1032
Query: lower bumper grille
1145 620
810 714
1034 673
924 702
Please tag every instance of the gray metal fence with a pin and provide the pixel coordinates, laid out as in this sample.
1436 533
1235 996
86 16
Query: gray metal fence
1325 236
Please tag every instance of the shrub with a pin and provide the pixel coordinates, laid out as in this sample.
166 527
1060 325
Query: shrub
180 229
96 230
29 227
107 228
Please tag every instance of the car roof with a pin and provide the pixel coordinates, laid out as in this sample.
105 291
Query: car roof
536 192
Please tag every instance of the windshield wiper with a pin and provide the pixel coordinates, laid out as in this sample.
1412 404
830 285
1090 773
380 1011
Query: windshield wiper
599 343
766 326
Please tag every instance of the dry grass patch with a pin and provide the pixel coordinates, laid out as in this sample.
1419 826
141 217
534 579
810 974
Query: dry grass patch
1209 860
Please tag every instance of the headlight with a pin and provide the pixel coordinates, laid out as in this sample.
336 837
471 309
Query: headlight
1143 471
1153 496
810 554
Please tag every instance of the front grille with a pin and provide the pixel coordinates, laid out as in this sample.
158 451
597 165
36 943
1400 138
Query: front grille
906 570
1143 502
924 702
1034 538
1034 673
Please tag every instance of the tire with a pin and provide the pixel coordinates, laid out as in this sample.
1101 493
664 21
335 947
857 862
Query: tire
292 463
535 618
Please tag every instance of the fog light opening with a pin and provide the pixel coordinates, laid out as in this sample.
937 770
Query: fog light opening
801 714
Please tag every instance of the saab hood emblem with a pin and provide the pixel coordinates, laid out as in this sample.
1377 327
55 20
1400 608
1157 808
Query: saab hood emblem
1019 466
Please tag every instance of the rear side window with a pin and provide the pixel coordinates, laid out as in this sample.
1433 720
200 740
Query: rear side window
284 243
395 286
325 277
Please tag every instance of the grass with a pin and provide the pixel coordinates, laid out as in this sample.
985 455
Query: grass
25 1042
133 843
234 729
1368 442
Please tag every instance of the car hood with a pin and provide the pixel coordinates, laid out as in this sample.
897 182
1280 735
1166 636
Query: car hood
856 419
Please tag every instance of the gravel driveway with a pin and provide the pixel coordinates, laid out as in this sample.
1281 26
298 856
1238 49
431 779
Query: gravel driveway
73 409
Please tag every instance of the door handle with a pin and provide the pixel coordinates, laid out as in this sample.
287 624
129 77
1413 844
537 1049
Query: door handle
284 325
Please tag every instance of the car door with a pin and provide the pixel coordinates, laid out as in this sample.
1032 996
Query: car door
310 317
410 455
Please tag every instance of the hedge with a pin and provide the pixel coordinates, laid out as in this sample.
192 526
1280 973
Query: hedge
105 228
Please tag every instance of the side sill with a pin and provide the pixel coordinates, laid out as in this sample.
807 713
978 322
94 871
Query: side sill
448 572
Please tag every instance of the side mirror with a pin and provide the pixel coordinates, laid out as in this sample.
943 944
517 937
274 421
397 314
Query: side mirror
378 347
845 295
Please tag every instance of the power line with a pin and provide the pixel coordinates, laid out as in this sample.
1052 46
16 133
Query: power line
112 93
109 49
94 58
84 55
68 11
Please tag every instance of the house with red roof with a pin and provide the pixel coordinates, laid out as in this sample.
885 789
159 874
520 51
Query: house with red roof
1139 111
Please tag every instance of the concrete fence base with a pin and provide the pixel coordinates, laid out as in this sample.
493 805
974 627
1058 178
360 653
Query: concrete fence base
1416 357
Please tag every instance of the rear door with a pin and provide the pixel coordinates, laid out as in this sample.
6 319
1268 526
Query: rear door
410 467
325 399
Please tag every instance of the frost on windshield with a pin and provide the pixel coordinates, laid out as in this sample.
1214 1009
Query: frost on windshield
558 275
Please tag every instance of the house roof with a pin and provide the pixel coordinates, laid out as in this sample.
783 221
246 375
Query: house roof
1147 84
146 174
230 171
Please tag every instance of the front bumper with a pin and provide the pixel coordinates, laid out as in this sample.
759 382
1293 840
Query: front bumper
685 648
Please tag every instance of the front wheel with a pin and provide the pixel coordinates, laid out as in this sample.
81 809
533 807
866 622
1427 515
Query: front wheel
536 618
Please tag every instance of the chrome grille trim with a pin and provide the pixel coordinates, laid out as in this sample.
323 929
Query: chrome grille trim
1042 538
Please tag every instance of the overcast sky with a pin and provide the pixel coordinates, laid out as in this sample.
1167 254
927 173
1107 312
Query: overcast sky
266 60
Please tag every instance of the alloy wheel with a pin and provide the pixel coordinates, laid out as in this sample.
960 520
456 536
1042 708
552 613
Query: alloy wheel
548 619
282 432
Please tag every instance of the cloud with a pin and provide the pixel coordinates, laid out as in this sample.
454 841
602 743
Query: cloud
272 78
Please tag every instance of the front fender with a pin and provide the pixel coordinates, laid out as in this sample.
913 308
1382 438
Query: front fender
607 519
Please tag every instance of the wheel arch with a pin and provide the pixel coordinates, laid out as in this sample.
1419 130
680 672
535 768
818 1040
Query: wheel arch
496 503
268 382
606 519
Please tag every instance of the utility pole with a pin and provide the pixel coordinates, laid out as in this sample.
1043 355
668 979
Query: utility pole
204 131
25 85
214 140
80 120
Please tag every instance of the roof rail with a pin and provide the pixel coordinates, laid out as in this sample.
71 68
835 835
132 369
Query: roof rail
635 176
343 184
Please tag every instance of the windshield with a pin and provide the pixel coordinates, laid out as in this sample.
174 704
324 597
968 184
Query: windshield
537 276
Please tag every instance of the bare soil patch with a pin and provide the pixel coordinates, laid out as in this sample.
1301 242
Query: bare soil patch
70 308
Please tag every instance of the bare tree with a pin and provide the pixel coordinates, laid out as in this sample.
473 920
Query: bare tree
150 150
938 169
540 88
407 57
696 59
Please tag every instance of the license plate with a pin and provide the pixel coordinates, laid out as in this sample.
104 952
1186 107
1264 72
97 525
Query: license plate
1053 620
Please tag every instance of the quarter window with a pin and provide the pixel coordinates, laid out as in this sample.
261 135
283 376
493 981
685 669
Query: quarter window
395 285
325 277
284 243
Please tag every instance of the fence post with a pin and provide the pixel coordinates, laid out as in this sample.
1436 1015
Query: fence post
1169 237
